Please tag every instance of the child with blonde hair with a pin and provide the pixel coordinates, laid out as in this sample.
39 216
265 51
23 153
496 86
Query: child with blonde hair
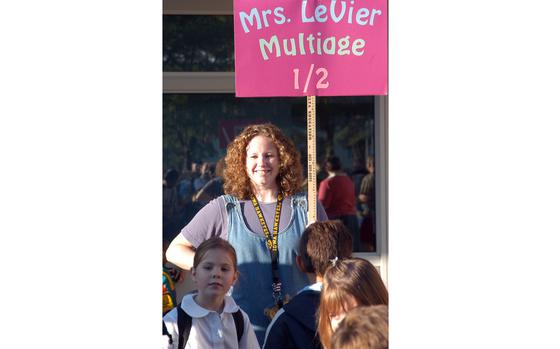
347 284
209 318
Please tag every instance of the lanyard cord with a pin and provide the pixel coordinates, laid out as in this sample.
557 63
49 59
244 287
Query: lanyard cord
272 244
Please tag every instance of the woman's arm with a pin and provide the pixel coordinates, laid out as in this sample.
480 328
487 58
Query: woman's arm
210 221
180 252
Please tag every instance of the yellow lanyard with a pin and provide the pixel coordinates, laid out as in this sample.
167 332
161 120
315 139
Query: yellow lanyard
271 241
272 244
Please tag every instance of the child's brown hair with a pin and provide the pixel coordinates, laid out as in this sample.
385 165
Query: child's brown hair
322 242
354 277
212 244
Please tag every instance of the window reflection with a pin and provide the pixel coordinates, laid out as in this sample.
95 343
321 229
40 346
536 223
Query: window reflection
197 43
198 127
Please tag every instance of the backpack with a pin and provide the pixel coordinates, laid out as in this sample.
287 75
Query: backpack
184 324
168 290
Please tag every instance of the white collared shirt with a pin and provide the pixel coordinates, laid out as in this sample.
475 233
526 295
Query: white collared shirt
209 329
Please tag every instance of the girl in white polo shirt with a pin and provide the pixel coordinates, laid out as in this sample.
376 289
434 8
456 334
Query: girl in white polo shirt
212 312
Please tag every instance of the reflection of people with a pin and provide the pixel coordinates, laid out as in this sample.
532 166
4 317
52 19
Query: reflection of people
204 177
214 187
171 204
367 198
294 326
363 327
359 171
212 313
263 174
367 187
346 285
336 193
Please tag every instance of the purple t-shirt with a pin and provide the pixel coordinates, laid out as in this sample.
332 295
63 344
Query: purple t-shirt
212 219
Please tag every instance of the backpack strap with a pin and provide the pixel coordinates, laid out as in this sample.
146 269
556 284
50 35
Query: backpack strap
239 324
184 323
165 332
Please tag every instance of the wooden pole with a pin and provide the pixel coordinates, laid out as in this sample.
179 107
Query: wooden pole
311 161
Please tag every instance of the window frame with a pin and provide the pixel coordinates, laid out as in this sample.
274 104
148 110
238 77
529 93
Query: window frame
224 82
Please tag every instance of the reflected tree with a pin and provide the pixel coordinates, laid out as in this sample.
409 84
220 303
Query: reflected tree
197 43
189 131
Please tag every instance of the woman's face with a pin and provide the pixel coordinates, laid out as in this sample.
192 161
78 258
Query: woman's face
263 162
349 304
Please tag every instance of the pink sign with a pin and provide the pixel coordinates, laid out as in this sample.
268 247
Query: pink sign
310 47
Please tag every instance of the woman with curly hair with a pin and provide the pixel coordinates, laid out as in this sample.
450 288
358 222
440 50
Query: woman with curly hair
263 215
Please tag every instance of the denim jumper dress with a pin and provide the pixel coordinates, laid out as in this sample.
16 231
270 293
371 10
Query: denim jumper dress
253 290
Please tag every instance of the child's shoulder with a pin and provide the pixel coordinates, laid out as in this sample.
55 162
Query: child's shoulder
191 307
306 299
230 306
170 316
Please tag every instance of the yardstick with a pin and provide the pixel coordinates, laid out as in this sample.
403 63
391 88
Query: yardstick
311 161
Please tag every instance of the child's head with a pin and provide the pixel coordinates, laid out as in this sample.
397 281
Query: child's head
214 243
322 242
363 327
348 284
214 268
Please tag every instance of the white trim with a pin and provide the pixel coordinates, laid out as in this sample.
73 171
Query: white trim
198 82
381 183
379 258
373 258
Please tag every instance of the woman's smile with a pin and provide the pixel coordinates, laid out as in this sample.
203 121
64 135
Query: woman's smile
262 162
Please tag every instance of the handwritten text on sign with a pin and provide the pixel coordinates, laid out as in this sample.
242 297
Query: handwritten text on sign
310 48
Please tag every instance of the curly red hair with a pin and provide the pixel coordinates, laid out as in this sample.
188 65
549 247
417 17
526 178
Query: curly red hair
236 180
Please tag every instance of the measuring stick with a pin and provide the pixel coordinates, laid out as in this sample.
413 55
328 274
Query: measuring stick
311 162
